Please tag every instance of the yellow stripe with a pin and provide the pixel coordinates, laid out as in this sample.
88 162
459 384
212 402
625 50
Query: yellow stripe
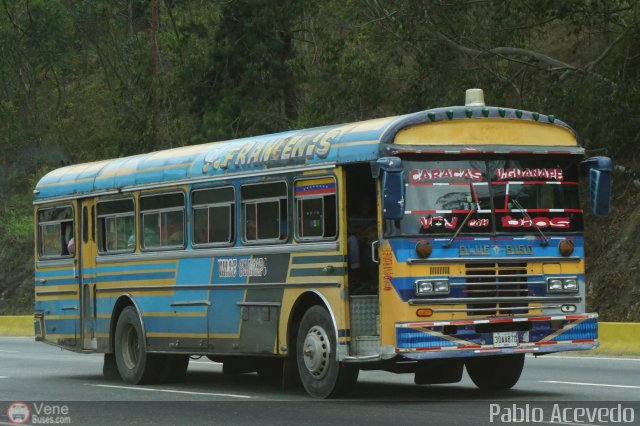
562 330
116 173
486 132
134 273
139 283
306 182
62 317
371 142
143 262
225 336
176 334
174 314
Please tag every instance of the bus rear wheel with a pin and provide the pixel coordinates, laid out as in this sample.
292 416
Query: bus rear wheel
321 374
495 373
135 365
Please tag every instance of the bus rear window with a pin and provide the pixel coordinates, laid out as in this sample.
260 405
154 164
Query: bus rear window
55 230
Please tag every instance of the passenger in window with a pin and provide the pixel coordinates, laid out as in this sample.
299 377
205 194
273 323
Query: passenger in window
174 235
71 246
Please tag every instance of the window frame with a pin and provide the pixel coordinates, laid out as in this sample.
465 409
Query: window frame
255 201
142 213
297 235
116 216
232 217
40 239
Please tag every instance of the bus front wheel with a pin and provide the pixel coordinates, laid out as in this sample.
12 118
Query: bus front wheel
495 373
134 364
321 374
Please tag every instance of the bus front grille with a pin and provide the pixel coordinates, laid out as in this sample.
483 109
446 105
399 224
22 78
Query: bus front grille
493 281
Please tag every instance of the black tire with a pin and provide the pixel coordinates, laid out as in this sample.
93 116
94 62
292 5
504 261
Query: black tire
134 364
495 373
321 374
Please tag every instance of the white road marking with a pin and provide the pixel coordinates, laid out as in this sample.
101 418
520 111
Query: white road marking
591 357
555 382
172 391
8 352
4 377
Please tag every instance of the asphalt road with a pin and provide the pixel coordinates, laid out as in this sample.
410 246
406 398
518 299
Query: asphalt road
35 373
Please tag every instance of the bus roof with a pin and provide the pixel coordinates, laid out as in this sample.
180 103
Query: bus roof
306 148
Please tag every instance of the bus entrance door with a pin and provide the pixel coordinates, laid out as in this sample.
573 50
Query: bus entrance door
87 273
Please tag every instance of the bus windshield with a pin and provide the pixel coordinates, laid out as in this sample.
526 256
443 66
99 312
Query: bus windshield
490 196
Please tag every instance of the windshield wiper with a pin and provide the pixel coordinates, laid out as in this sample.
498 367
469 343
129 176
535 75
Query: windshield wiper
545 239
475 207
464 222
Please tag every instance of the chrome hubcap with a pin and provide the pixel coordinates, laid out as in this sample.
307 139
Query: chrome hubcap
316 350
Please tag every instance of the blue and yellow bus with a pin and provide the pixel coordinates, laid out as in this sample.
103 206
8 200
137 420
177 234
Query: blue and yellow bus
421 243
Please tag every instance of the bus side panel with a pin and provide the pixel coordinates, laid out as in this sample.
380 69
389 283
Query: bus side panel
56 299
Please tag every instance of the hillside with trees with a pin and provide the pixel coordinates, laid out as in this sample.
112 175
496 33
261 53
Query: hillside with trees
88 80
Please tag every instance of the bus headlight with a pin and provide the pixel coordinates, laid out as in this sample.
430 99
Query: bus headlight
431 287
562 285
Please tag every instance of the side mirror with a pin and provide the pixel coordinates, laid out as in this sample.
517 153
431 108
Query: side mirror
599 169
393 195
392 186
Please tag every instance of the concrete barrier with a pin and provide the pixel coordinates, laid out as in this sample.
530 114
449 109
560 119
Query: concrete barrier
16 325
616 338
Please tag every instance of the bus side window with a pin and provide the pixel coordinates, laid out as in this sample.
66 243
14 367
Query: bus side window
55 229
264 212
116 226
213 214
162 217
316 209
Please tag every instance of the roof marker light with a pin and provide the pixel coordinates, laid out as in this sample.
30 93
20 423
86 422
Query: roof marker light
450 114
474 97
519 113
535 115
485 112
502 112
432 116
468 112
551 118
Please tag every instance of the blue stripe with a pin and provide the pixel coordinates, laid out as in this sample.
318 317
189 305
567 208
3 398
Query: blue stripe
135 277
49 274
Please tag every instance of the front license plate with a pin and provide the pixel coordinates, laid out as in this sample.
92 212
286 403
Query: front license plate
505 339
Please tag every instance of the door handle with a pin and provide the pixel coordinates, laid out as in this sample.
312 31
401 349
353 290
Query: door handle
374 252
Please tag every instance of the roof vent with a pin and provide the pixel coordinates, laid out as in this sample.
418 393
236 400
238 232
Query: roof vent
474 97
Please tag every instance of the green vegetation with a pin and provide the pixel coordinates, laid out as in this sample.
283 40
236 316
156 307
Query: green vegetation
82 81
